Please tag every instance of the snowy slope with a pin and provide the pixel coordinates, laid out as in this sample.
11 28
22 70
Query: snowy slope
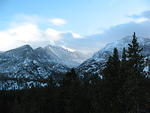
25 62
95 64
64 56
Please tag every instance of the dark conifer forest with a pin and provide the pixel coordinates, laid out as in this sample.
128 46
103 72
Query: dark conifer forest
123 87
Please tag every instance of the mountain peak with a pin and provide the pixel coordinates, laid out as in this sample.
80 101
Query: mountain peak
24 48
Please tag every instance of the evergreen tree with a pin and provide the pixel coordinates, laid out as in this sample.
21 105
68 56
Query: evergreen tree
111 70
124 56
123 66
134 56
134 72
111 76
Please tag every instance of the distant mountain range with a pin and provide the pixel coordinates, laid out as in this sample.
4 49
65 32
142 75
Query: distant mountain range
26 63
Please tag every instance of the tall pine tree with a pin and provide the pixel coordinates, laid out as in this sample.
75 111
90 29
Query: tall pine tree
135 57
134 73
111 70
111 77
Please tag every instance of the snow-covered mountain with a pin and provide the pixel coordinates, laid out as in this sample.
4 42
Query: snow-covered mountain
40 63
95 64
26 62
65 56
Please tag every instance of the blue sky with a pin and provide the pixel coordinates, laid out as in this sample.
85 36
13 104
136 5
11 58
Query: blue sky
67 18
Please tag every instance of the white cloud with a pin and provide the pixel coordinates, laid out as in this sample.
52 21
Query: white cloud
25 29
58 21
39 20
52 34
26 33
19 34
139 20
75 35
